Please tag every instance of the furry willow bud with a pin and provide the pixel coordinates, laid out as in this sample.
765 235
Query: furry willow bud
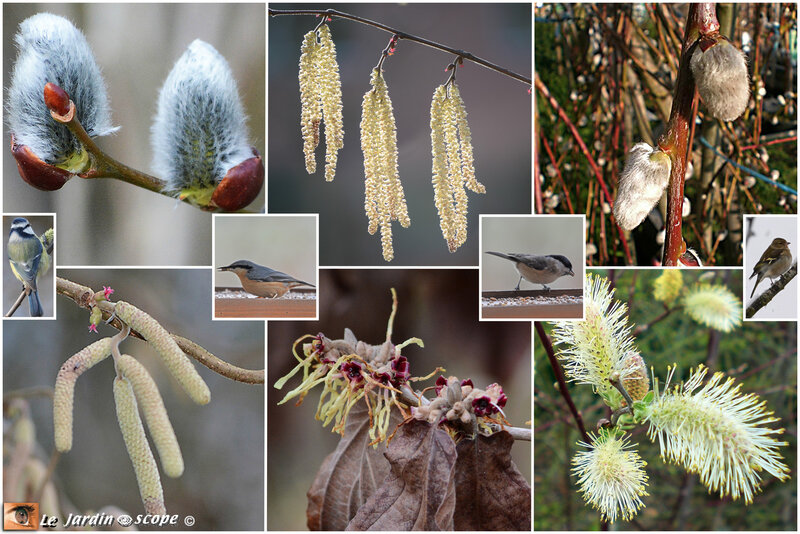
667 286
155 415
199 135
144 465
453 165
720 73
641 184
610 476
63 396
52 50
598 348
713 305
717 433
384 198
174 358
320 99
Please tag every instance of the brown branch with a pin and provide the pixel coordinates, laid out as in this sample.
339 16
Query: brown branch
15 306
406 36
562 383
83 296
764 298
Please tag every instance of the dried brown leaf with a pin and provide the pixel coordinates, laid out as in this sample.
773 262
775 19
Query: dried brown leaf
349 475
419 492
492 493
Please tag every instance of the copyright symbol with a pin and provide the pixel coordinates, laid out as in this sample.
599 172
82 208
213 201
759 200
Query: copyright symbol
125 520
188 520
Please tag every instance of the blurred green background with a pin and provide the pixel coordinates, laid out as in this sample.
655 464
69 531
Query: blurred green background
136 46
438 306
760 356
222 443
498 107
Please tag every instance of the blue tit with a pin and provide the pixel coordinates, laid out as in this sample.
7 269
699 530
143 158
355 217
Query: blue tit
29 259
538 269
262 281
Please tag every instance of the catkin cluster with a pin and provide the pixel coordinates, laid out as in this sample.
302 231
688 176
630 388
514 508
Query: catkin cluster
321 99
453 166
384 200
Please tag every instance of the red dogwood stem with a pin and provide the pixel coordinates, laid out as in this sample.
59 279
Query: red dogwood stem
702 20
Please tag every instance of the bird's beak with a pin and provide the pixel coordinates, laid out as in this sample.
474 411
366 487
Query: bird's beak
571 273
222 268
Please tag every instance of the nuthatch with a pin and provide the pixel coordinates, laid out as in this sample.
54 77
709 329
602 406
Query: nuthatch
262 281
538 269
775 261
29 257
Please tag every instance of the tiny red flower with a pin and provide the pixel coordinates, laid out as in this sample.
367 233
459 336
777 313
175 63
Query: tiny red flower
441 383
483 406
93 328
352 371
400 369
107 292
467 382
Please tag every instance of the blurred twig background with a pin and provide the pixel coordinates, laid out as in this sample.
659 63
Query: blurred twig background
610 70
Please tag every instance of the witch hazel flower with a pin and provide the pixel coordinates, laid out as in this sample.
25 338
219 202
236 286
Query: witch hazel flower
611 477
598 350
458 402
717 432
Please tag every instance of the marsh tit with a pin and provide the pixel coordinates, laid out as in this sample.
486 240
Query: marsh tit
775 261
29 259
538 269
262 281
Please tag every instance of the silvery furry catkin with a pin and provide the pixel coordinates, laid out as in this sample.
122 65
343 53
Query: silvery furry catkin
720 74
52 50
200 131
641 184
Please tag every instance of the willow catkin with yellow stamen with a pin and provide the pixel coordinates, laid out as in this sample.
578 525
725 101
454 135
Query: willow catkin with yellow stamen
311 109
176 361
144 465
65 389
384 197
155 415
331 96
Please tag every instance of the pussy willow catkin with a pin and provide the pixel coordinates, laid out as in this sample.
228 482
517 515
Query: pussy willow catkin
176 361
155 415
384 200
453 165
65 388
138 449
320 99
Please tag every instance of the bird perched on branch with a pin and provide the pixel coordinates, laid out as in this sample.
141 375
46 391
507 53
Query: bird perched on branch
29 256
262 281
775 261
538 269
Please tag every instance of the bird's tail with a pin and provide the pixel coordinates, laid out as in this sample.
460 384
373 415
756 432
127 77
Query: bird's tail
34 305
501 255
755 286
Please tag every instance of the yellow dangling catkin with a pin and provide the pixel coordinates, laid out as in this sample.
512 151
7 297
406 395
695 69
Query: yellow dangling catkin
144 465
176 361
155 414
63 396
384 199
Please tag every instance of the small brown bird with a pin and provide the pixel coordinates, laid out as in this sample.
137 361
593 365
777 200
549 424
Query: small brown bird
262 281
775 261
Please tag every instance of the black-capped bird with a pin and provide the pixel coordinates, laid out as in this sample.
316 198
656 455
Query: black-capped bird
538 269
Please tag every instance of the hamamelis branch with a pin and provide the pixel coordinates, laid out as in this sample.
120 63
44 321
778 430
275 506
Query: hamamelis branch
406 36
702 20
83 296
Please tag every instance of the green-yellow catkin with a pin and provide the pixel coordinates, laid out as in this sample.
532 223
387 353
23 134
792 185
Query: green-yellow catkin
331 95
64 393
155 414
453 163
384 199
176 361
144 465
311 109
320 99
